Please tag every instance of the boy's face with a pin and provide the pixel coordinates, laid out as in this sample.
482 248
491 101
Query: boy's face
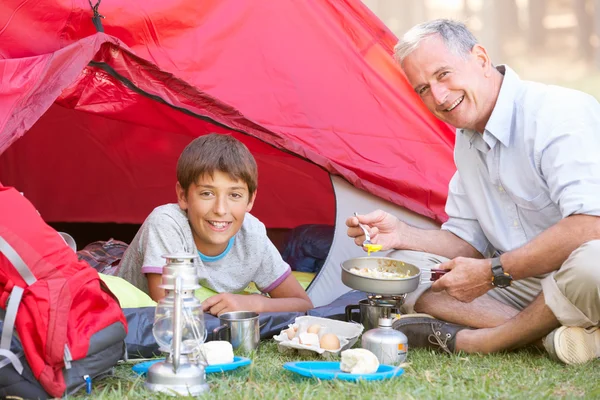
216 208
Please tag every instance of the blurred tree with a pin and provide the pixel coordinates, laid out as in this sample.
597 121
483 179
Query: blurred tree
509 17
596 24
536 32
494 15
584 28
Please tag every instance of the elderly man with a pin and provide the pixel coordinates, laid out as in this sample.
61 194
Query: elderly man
521 241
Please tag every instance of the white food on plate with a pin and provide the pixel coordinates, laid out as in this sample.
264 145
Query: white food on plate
217 352
359 361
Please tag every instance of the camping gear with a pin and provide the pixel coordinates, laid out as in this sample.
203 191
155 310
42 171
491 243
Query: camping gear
380 286
142 367
436 273
328 370
240 328
307 246
70 328
371 309
104 256
69 240
384 296
389 346
178 330
113 110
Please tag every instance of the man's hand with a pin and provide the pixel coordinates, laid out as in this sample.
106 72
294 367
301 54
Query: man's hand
226 302
383 228
468 278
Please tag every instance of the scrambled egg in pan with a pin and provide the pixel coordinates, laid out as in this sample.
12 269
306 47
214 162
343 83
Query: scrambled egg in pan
380 272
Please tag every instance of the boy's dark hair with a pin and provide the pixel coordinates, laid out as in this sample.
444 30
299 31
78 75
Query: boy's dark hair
217 152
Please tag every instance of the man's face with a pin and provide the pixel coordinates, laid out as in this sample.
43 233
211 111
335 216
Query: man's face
452 87
216 208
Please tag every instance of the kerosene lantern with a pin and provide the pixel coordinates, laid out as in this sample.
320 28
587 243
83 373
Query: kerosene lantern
179 331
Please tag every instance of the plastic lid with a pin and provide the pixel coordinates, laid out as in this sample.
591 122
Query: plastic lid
385 322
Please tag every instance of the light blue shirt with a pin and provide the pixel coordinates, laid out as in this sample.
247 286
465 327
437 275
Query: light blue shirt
538 161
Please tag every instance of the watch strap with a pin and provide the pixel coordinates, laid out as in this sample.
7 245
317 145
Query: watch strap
497 266
500 278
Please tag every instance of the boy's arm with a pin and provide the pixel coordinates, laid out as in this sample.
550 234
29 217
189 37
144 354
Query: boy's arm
287 296
156 293
162 234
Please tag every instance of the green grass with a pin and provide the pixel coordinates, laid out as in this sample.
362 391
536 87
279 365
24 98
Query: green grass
526 374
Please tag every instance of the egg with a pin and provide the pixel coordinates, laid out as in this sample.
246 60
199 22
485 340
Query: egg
291 333
329 341
314 329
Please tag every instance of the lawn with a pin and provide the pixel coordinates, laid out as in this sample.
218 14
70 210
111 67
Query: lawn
526 374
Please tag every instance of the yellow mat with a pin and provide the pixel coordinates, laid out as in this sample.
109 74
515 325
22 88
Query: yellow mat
131 297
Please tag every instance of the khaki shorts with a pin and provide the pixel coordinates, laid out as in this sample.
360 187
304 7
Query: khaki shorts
572 292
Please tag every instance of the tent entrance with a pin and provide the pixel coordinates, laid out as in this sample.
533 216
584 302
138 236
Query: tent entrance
103 156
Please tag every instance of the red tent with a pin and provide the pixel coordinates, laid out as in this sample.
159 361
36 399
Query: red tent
310 86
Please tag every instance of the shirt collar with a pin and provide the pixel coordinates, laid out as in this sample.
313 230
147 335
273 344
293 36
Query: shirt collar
500 123
206 258
483 143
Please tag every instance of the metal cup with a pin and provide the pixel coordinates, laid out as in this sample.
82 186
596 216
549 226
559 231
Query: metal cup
370 313
241 329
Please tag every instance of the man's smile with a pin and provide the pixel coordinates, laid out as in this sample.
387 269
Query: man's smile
455 104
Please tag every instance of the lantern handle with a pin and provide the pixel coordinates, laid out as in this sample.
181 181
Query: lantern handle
177 310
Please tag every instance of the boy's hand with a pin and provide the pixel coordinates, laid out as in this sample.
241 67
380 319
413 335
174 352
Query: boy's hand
226 302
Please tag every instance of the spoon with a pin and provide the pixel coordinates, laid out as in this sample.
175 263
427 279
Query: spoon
367 244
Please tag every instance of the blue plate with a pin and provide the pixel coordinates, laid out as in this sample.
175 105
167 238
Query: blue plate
327 370
142 368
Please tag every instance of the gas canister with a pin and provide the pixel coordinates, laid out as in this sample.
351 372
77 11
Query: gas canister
389 345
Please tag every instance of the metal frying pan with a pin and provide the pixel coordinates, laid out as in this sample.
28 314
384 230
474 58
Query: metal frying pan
395 286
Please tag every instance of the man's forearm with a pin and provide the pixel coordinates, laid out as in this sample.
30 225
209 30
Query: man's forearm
549 250
436 241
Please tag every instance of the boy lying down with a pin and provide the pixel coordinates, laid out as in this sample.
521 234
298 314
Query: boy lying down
216 188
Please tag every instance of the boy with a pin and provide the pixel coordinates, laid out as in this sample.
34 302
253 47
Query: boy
216 188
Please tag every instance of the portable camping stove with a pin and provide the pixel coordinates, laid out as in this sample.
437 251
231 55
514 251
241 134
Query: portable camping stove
375 306
395 301
389 305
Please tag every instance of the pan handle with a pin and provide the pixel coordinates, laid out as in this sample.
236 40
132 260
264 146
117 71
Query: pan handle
438 273
349 309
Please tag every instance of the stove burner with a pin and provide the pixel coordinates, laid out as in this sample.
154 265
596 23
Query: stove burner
390 300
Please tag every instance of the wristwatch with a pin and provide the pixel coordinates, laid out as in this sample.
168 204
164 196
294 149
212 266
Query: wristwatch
500 279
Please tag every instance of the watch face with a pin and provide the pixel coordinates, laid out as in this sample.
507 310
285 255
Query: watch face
502 281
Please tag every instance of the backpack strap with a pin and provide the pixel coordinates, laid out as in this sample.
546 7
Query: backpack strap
13 304
8 328
17 262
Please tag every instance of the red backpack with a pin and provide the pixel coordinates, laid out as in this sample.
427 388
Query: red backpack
70 327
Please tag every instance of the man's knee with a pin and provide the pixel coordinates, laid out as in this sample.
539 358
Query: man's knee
578 280
581 271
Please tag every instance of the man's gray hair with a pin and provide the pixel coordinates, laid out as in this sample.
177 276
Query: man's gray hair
457 38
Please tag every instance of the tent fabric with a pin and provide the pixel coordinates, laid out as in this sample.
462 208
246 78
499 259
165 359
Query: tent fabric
311 87
126 160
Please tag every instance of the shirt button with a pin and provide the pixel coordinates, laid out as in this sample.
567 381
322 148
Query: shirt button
500 189
516 223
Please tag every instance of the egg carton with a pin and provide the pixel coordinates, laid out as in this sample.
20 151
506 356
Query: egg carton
347 333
